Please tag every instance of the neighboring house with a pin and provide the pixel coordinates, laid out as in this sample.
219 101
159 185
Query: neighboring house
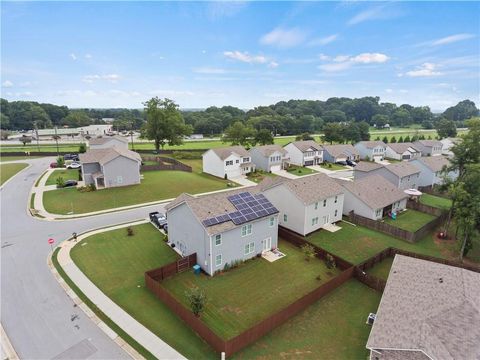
373 150
304 153
427 311
340 152
222 228
372 197
429 147
447 144
403 175
431 170
108 142
229 162
306 204
111 167
402 151
268 157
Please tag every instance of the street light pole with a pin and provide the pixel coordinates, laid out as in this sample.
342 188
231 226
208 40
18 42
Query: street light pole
56 139
131 135
36 134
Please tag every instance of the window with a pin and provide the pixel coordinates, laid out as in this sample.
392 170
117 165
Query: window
229 162
119 179
237 161
315 221
218 239
272 221
218 260
249 248
324 202
378 212
336 198
285 217
316 205
336 212
246 229
245 160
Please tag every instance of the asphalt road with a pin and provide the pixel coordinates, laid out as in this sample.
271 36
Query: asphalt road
37 315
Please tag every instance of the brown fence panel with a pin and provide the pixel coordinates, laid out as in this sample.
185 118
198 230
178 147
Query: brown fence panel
424 208
432 191
382 227
173 268
164 163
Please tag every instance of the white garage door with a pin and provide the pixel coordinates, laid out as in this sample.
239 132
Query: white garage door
275 168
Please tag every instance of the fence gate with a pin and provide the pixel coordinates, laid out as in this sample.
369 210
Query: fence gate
183 264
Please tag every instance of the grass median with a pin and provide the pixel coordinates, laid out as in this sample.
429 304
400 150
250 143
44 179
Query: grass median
9 170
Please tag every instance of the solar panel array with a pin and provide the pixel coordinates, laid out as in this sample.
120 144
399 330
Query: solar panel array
249 207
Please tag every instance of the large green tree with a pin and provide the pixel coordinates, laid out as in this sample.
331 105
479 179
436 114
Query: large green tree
239 134
76 119
333 132
264 137
165 124
464 110
446 128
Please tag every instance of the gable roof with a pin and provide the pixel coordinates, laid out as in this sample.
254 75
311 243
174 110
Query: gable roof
225 152
375 191
306 144
429 143
366 166
308 189
341 149
429 307
400 148
434 163
371 144
402 169
267 150
102 156
106 139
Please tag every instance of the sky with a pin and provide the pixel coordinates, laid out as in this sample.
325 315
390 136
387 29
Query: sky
244 54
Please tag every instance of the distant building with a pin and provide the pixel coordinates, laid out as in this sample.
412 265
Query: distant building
230 162
108 120
269 157
196 136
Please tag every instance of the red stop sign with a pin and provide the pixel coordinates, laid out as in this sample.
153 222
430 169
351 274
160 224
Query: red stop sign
51 241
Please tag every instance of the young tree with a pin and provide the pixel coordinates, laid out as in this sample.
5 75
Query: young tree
239 134
60 162
393 139
385 139
26 140
400 139
264 137
308 251
304 136
82 148
197 299
165 124
407 139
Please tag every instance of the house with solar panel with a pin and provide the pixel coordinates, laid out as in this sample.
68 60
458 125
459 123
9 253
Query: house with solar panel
305 204
228 162
222 228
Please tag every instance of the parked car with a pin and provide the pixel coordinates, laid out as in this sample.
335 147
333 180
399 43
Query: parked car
70 183
344 163
165 228
351 163
73 157
74 165
158 219
53 165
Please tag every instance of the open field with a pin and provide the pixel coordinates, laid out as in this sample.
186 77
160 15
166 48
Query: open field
66 174
116 264
241 297
9 170
436 201
156 185
382 269
410 220
332 328
300 171
357 243
5 158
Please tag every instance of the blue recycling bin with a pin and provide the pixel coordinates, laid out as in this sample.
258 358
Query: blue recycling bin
196 269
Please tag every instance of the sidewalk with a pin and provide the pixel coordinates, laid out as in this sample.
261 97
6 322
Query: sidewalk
132 327
285 174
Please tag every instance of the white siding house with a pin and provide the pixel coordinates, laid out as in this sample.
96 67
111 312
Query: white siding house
268 157
431 170
305 204
429 147
373 150
230 162
402 151
403 175
340 152
304 153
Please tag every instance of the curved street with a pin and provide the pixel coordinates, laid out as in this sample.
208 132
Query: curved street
39 318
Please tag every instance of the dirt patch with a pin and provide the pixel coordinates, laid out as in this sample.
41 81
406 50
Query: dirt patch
231 309
294 354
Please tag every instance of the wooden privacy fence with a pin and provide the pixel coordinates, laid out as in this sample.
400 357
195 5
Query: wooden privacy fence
424 208
393 230
432 191
173 268
371 281
164 163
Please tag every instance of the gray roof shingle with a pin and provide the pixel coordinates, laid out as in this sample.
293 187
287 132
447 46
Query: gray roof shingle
402 169
102 156
225 152
106 139
435 163
267 150
341 149
366 166
400 148
307 144
372 144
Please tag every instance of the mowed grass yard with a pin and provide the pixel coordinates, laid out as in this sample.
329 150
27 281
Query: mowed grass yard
356 243
242 297
381 269
436 201
66 174
300 171
9 170
332 328
410 220
156 185
116 264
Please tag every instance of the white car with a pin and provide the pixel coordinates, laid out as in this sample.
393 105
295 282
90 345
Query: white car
74 165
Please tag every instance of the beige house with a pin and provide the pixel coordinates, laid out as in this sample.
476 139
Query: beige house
428 311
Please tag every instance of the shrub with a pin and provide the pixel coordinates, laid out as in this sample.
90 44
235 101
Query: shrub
329 165
226 267
308 251
60 162
92 187
225 177
129 231
82 148
330 262
318 277
60 182
197 299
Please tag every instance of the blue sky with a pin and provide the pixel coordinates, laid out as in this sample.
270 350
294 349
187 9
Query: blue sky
119 54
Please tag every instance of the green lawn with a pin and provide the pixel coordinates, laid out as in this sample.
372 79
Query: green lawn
4 158
332 328
410 220
9 170
258 176
116 263
66 174
333 167
381 269
436 201
156 185
300 171
356 243
242 297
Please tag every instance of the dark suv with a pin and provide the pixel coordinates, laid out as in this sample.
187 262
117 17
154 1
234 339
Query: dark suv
73 157
158 219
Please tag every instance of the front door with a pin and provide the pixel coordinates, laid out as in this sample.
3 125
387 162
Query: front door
326 219
267 244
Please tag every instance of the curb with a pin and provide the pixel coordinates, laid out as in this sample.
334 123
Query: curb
18 173
7 346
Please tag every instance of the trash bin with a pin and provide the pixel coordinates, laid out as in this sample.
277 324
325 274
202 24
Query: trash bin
196 269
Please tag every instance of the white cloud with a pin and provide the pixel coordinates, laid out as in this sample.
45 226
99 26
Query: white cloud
88 56
424 70
172 93
209 70
324 57
283 38
245 57
389 91
77 93
341 58
113 78
273 64
323 41
334 67
221 9
343 62
73 56
369 58
7 84
452 39
382 12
